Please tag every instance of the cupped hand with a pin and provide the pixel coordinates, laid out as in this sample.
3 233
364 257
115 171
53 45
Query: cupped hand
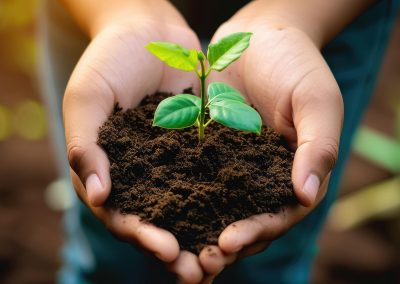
285 77
117 68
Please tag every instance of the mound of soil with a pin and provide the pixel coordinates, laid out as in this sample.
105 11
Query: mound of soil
194 190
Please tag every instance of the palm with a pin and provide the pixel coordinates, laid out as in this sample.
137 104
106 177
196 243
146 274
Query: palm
273 73
124 69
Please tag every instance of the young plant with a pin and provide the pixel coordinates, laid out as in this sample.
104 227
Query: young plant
224 103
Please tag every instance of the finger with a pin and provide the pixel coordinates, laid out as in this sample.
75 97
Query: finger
318 118
264 227
130 228
187 268
213 260
245 232
106 74
82 118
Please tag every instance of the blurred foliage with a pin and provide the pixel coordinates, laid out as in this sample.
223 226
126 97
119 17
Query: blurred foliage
5 123
17 28
378 148
30 120
26 120
379 200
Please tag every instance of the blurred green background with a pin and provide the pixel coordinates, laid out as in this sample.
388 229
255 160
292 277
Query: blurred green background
30 233
360 243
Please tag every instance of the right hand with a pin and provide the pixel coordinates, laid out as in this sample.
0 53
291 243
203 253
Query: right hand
117 68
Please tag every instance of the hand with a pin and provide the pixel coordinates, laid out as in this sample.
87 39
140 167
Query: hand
117 68
285 77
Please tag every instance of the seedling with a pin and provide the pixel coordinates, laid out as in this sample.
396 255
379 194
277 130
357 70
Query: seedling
224 103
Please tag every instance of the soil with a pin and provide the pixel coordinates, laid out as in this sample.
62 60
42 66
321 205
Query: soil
190 188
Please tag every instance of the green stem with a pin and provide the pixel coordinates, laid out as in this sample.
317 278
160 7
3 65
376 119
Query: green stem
208 122
203 100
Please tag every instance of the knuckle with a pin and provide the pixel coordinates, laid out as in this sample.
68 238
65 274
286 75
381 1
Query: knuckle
329 151
75 153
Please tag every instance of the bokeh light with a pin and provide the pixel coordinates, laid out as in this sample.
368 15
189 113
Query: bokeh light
17 13
30 120
17 20
5 123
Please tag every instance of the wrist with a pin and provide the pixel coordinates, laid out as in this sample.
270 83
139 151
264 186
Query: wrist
93 16
259 16
320 20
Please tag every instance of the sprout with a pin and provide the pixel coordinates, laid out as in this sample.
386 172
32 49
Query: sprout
224 104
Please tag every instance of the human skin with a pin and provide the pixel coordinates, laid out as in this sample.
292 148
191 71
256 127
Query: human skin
282 73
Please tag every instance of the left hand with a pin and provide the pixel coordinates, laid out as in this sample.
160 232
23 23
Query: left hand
284 75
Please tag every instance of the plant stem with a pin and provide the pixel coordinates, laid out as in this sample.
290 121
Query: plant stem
203 100
208 122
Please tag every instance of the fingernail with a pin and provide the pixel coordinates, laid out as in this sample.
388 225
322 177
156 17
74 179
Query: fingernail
93 187
311 187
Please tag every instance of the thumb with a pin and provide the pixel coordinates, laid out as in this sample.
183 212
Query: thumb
318 118
106 73
84 112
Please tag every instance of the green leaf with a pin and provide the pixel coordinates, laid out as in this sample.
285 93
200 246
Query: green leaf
229 96
177 112
236 115
227 50
174 55
221 91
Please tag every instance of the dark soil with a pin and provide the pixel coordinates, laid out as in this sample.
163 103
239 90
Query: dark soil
192 189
